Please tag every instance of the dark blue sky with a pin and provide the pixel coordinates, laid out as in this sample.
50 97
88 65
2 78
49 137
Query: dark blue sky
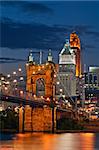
43 25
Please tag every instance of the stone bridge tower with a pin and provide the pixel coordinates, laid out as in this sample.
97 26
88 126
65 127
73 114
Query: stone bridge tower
40 77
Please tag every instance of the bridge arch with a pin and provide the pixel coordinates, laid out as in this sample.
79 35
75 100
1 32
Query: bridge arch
40 87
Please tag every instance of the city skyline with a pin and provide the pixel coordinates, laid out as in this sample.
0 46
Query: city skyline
45 25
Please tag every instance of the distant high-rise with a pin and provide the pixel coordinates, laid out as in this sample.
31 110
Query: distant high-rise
92 84
66 72
75 45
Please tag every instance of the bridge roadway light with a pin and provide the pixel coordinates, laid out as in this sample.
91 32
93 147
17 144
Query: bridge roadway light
33 72
54 75
21 92
42 66
39 69
48 99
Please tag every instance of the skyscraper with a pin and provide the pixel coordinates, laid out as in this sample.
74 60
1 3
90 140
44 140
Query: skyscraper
66 74
75 45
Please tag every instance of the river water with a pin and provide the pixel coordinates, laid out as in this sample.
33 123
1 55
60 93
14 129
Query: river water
44 141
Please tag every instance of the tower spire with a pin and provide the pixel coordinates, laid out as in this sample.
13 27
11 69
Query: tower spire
30 58
50 57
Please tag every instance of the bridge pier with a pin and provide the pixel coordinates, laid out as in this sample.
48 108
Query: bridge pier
27 118
21 119
41 118
38 119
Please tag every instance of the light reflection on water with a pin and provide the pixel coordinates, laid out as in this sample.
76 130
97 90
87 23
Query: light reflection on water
41 141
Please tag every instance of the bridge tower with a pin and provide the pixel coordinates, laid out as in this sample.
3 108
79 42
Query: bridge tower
40 83
40 77
75 45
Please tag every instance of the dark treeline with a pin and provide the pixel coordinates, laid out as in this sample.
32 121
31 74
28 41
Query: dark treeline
9 120
68 124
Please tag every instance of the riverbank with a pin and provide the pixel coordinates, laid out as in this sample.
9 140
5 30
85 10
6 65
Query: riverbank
56 132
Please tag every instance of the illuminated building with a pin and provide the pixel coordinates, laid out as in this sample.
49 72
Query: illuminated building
66 74
40 77
75 45
92 85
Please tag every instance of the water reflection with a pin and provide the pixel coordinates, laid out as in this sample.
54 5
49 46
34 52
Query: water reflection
87 139
41 141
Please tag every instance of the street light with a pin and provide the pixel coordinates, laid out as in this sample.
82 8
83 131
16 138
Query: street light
20 69
14 73
57 82
14 81
21 92
21 78
61 90
6 88
2 78
42 66
8 75
33 72
54 75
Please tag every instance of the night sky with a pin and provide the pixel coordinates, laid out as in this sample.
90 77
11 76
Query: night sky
45 25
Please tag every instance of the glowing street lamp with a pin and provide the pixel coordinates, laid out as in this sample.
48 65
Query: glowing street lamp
54 75
34 96
14 81
21 78
8 75
33 72
42 66
57 82
61 90
39 69
2 78
27 64
6 88
21 92
14 73
48 99
66 101
20 69
42 97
